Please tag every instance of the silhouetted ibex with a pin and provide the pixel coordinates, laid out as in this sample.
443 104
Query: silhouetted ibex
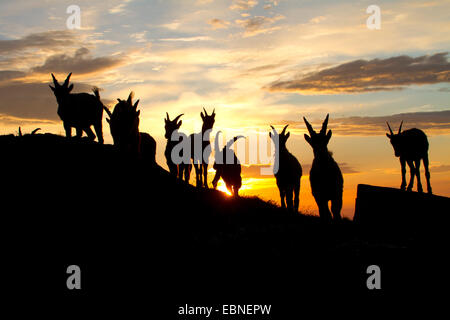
79 110
411 146
124 125
227 166
181 170
287 171
325 176
201 148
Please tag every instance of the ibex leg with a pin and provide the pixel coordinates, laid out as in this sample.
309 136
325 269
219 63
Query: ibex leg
324 211
412 172
205 175
427 174
296 197
289 196
68 130
403 166
198 181
187 172
79 132
419 183
99 132
282 196
336 206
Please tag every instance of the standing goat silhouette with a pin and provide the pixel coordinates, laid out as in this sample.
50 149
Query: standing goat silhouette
227 166
124 125
287 171
171 127
79 110
411 146
201 148
326 179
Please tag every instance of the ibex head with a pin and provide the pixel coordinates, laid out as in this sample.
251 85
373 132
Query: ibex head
172 125
279 138
208 120
395 138
318 141
61 90
124 121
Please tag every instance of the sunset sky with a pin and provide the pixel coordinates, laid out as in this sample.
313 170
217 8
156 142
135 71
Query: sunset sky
257 62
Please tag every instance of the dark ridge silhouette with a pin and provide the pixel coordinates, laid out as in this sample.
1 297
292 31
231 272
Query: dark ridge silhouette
79 110
124 125
171 127
201 148
411 146
392 208
135 229
227 166
287 171
326 179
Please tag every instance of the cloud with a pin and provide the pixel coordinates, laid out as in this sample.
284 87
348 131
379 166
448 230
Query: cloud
254 170
370 75
80 63
436 122
243 4
10 75
440 168
120 7
218 24
259 24
43 40
187 39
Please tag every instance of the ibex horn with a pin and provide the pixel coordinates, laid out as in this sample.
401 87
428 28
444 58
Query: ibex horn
230 143
178 117
392 133
400 128
309 127
54 80
130 98
206 113
325 124
284 129
66 82
167 116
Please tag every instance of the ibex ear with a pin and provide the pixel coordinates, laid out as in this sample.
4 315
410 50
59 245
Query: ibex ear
329 133
138 113
179 124
308 139
70 88
53 89
201 115
388 135
288 135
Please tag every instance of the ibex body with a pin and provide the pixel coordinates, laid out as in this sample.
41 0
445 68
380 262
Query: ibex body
326 179
124 125
227 166
181 170
411 146
287 171
201 149
79 110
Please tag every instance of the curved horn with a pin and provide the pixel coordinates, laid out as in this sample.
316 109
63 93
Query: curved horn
107 111
325 124
389 128
275 131
214 111
66 82
130 98
284 129
206 113
56 83
136 105
308 125
178 117
167 116
400 128
230 143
